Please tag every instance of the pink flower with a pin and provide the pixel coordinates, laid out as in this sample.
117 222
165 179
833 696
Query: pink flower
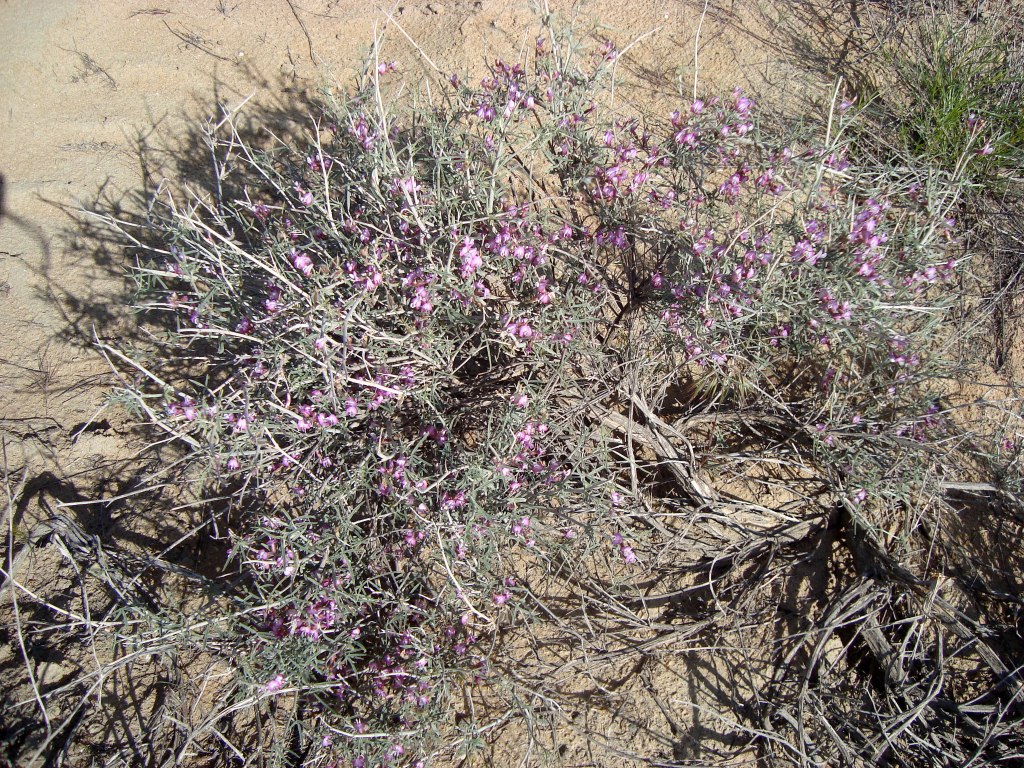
470 256
274 685
743 103
454 500
302 262
804 251
408 185
326 420
486 112
686 136
273 297
625 550
519 328
305 197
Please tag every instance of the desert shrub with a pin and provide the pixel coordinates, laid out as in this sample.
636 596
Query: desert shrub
448 350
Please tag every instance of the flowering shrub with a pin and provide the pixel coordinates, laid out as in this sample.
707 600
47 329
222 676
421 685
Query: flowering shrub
426 342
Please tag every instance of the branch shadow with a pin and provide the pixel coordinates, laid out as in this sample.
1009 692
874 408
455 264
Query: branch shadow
133 502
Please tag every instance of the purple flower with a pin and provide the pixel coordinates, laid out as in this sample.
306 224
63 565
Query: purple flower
519 328
361 130
804 251
486 112
326 420
470 256
319 163
838 310
273 298
686 136
306 198
274 685
438 434
301 262
454 501
730 188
